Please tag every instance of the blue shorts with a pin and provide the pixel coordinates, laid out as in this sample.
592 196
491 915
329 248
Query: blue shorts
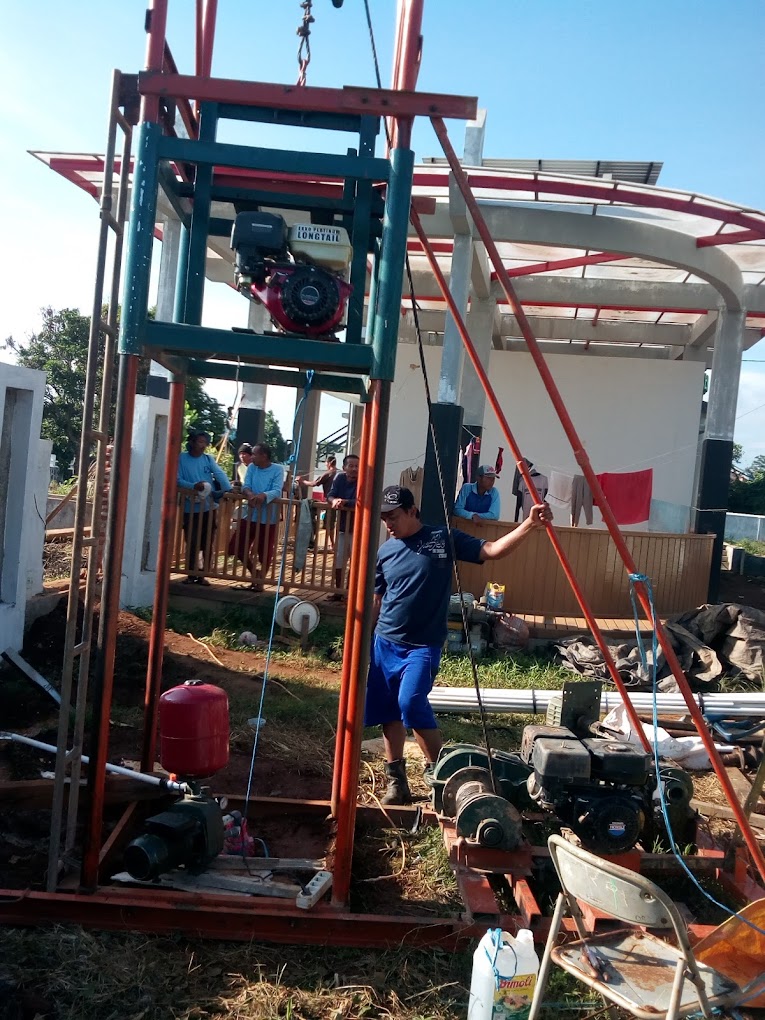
399 681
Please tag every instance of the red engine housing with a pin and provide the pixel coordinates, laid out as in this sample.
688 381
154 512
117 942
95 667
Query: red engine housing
303 299
193 730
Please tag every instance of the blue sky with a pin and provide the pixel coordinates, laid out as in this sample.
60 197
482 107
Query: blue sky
673 80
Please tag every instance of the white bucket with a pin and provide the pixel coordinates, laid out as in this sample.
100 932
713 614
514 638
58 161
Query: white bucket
505 969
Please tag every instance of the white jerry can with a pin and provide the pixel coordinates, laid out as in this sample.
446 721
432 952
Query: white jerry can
505 969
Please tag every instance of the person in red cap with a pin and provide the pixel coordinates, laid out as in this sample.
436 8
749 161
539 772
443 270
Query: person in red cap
413 584
479 500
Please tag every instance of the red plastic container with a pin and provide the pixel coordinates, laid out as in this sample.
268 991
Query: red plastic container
193 729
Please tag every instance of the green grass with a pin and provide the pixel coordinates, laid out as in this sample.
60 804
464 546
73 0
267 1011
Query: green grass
751 546
223 629
62 488
519 671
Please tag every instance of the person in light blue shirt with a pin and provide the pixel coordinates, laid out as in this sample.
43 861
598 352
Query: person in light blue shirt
262 487
197 470
479 500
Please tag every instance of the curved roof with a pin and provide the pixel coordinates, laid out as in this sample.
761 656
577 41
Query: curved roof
678 253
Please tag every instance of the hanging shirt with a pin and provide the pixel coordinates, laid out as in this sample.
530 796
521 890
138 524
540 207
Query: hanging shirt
516 489
200 469
540 484
411 478
268 480
628 494
581 500
470 501
414 577
559 495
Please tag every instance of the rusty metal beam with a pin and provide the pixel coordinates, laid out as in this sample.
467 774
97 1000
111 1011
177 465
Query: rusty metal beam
200 915
350 99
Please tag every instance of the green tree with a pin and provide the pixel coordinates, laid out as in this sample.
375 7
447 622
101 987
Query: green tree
272 436
757 468
202 410
738 453
60 349
747 497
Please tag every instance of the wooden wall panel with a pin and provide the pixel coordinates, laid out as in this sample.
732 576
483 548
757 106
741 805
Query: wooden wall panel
678 566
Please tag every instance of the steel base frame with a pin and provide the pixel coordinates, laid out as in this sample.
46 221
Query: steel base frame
243 918
473 864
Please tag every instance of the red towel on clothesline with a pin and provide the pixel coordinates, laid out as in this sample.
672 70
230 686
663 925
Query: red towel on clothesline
628 494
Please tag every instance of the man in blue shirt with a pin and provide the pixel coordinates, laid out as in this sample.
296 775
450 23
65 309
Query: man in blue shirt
479 500
342 496
413 584
262 485
197 470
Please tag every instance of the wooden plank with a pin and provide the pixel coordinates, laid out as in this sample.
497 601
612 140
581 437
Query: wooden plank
741 786
723 811
256 885
233 862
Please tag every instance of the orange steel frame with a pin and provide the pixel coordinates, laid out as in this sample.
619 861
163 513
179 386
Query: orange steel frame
583 460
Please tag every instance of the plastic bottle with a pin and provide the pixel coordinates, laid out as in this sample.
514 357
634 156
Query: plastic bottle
505 969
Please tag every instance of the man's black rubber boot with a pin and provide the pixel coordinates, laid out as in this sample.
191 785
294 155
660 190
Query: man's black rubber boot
398 788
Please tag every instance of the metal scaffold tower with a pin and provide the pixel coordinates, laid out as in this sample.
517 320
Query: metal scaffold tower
368 196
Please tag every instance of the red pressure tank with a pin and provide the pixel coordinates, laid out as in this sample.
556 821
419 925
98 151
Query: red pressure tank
193 729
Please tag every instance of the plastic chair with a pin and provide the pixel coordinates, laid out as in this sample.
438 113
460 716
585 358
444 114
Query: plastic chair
630 967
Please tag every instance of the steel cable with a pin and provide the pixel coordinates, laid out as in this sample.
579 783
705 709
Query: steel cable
437 456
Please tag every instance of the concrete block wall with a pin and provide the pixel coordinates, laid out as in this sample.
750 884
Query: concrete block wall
738 526
21 531
147 469
631 414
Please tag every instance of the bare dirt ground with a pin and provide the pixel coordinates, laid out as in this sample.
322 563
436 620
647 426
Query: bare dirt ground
70 973
746 591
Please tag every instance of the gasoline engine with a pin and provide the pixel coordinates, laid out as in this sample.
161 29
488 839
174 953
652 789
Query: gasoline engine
194 743
479 623
298 273
603 788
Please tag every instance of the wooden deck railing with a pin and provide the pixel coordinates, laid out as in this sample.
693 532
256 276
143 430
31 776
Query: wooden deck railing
534 582
678 566
225 539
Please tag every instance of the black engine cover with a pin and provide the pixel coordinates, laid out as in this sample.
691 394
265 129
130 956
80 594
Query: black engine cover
616 761
608 823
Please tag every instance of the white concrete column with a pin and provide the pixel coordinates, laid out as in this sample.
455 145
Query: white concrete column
148 447
168 268
717 447
462 260
310 418
254 394
168 280
21 502
480 324
726 372
252 406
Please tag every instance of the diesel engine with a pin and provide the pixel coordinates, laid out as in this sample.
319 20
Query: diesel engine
601 787
297 272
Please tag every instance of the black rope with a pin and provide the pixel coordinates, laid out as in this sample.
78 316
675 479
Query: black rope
439 470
